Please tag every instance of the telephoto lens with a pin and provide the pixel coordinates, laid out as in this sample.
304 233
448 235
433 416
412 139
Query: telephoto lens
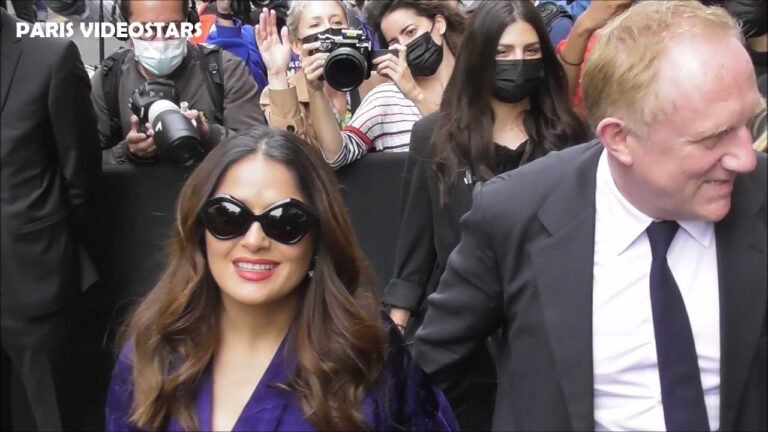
176 138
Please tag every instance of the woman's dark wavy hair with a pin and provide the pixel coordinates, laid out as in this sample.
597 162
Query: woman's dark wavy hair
465 129
455 21
338 337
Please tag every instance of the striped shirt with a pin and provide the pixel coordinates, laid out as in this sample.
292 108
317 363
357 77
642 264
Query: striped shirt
382 122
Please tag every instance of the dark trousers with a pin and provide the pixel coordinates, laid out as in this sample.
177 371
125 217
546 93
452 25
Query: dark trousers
59 370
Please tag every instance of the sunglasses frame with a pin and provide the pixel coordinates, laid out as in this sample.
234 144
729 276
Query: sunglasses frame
258 217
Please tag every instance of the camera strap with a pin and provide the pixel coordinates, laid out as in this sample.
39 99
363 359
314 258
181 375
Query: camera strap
112 70
210 62
354 100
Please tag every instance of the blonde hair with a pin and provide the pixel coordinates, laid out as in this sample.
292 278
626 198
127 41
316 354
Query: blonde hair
621 71
296 11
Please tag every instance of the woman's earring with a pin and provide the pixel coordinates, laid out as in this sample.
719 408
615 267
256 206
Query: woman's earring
311 271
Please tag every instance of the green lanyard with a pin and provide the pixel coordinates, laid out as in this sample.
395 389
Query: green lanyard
343 122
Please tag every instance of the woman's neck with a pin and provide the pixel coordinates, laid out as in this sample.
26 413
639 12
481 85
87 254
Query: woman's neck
509 115
254 329
508 128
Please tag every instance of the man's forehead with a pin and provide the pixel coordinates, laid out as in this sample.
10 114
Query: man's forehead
689 65
157 10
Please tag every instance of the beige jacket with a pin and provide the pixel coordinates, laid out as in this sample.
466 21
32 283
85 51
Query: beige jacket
288 109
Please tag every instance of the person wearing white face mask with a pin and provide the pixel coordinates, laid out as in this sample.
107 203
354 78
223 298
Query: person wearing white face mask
162 57
215 83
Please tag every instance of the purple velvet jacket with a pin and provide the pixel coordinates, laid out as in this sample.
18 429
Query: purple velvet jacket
404 400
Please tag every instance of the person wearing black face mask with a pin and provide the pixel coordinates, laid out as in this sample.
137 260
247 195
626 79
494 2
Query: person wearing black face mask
505 105
427 34
424 32
517 79
424 55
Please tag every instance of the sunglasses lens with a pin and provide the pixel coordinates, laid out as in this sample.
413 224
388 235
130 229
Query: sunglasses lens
287 224
225 219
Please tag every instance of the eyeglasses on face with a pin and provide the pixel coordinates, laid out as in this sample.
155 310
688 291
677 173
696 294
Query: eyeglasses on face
286 221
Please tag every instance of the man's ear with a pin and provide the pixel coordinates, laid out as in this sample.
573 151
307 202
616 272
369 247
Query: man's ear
614 136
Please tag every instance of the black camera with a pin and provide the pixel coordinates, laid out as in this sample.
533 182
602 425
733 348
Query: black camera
156 102
351 57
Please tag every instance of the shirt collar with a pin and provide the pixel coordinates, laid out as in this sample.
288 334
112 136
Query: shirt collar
625 222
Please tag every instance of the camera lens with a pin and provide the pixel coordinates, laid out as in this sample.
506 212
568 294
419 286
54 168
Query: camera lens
175 136
345 69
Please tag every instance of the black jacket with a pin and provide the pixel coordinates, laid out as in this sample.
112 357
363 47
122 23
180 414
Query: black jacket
51 162
428 232
525 265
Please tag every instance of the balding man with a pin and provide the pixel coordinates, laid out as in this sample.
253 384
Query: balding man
627 276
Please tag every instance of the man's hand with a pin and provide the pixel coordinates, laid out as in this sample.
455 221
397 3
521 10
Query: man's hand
598 13
140 144
202 124
400 317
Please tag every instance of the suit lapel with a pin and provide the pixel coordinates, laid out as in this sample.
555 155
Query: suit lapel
741 257
9 56
563 266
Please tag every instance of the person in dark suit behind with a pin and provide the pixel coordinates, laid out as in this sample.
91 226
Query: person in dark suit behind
505 105
51 161
604 324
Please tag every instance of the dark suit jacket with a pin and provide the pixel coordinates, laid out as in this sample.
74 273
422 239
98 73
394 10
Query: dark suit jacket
51 160
524 265
428 232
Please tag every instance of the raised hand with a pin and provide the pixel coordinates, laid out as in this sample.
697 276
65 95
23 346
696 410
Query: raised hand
600 12
274 47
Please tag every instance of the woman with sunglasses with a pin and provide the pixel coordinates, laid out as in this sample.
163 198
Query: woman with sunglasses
266 316
506 105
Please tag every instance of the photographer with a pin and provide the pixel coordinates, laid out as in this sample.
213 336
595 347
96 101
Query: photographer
214 82
425 34
287 101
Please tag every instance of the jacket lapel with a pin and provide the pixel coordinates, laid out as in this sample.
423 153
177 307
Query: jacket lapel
265 410
563 266
9 56
741 258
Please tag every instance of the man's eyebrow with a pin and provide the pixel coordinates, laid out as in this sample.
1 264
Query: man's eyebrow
702 136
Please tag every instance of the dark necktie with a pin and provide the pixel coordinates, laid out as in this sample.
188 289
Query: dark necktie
681 390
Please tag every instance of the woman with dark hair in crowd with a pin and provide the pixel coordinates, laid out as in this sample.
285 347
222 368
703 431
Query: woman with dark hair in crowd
427 35
265 317
506 105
